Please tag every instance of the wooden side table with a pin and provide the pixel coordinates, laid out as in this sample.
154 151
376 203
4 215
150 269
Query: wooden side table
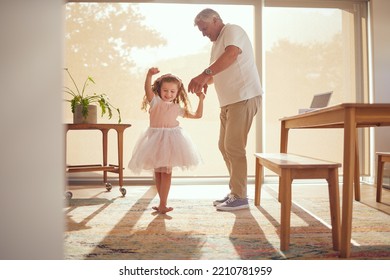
105 167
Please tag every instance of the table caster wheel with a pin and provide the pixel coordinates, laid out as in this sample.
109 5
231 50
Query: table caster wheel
108 186
123 191
68 195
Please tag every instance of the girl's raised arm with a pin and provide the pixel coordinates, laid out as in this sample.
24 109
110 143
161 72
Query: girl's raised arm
148 83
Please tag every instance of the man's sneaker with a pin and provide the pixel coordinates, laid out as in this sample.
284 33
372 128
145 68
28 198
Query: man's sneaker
233 203
220 201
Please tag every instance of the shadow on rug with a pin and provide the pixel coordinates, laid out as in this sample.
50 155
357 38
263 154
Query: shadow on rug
118 228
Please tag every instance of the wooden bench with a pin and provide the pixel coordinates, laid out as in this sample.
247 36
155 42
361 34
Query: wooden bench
382 158
290 167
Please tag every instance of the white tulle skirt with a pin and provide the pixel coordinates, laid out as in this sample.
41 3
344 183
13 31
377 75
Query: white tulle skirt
163 150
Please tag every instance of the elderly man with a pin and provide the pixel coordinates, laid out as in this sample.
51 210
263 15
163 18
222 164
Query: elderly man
234 74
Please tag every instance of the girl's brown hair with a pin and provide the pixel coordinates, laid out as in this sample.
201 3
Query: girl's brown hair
181 98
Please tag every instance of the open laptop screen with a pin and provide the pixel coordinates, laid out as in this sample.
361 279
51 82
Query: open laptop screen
320 100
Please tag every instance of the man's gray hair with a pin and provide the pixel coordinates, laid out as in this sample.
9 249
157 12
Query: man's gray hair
206 15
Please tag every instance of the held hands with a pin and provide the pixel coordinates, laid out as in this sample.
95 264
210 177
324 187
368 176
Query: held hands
198 83
201 95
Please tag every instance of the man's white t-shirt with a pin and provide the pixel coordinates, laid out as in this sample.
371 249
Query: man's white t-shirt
241 80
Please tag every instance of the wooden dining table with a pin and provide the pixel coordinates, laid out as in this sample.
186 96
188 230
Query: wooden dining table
349 117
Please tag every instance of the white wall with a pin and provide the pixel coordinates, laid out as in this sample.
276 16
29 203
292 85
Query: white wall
380 23
31 136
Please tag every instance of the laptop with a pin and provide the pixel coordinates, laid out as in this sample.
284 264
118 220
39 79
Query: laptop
320 100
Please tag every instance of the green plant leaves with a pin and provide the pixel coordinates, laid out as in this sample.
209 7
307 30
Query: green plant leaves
83 99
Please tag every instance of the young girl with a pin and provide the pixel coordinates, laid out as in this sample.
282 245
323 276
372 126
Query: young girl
165 145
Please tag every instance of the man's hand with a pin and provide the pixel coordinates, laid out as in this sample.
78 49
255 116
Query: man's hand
199 83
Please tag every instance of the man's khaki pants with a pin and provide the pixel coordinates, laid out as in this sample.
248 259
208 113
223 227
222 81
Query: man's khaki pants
236 120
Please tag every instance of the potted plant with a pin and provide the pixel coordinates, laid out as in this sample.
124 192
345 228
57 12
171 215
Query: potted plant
85 104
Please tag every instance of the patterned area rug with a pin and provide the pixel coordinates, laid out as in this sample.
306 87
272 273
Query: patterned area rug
108 226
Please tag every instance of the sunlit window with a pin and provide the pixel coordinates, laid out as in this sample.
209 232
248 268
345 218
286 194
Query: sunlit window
308 51
116 44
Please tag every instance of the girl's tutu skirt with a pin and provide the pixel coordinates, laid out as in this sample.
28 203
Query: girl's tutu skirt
164 149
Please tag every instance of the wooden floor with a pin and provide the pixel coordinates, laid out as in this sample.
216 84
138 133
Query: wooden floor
190 190
368 197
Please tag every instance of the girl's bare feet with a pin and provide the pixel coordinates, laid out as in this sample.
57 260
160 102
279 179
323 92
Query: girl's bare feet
162 210
165 210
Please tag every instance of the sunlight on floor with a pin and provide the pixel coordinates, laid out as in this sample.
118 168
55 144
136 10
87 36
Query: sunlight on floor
102 224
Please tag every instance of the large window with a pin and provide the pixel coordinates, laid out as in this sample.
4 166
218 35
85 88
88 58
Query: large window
308 47
310 50
116 43
305 55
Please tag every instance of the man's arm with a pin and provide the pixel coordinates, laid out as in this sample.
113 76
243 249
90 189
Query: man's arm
223 62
